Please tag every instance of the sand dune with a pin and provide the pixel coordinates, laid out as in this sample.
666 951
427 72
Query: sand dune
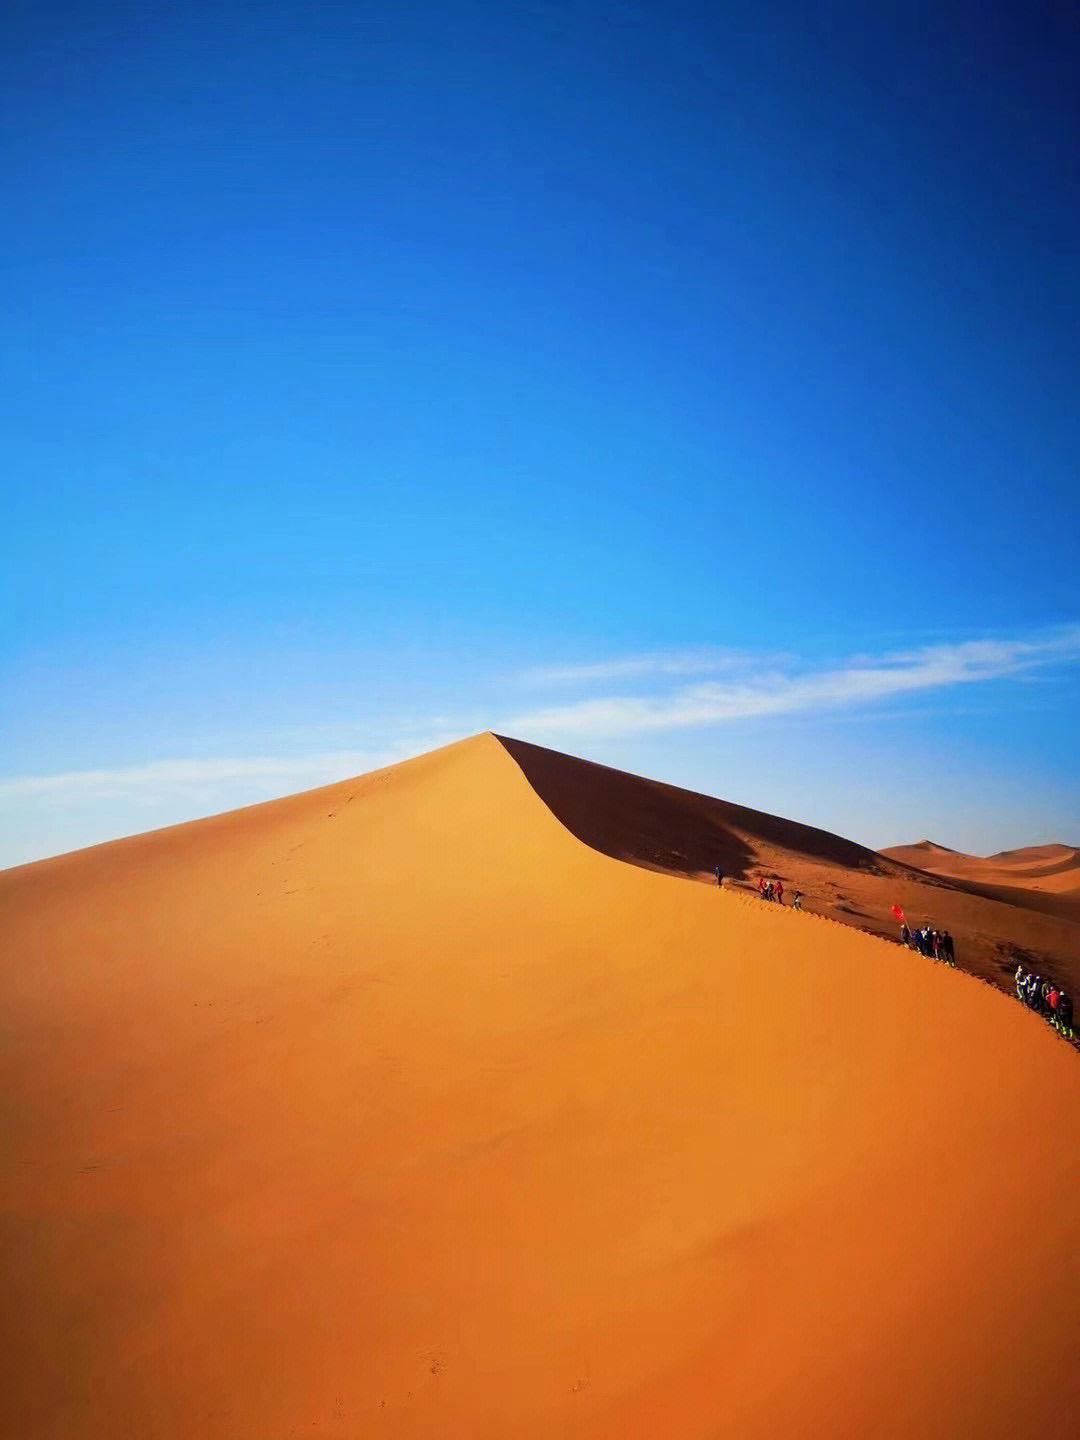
1038 854
393 1109
1033 861
1039 869
925 854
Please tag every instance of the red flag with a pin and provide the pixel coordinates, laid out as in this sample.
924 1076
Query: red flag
898 914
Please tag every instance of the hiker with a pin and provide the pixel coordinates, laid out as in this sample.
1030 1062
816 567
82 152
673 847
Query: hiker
768 890
796 900
935 945
1065 1015
905 934
761 886
1021 983
719 877
1032 987
779 891
948 948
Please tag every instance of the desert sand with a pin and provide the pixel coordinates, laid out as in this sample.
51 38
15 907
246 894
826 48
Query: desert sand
397 1109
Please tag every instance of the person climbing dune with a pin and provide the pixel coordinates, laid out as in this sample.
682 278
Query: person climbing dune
1065 1014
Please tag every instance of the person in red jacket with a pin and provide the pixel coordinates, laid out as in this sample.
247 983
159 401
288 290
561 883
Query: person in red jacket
779 891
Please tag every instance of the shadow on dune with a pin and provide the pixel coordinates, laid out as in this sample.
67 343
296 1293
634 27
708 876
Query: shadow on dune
664 828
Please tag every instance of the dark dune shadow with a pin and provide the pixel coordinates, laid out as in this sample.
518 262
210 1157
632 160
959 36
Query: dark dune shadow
665 828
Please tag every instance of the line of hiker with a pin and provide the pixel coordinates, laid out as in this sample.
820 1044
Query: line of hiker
1035 991
934 944
1041 994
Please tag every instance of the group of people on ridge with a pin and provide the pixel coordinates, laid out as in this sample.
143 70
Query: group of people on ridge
1047 998
774 890
934 944
771 889
768 889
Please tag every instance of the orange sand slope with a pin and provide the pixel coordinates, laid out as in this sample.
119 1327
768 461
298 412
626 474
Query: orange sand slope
394 1110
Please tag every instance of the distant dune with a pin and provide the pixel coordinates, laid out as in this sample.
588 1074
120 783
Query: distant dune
394 1110
924 854
1031 874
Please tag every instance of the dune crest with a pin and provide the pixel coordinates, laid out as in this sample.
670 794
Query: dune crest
392 1109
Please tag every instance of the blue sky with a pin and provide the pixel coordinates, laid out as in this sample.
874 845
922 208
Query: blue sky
691 387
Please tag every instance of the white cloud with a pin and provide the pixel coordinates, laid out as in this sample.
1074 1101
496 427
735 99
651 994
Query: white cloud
679 662
43 814
170 776
779 690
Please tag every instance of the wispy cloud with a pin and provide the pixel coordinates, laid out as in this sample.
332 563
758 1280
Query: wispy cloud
632 667
171 776
778 689
753 686
44 813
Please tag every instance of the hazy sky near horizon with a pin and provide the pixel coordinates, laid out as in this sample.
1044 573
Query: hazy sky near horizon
691 387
